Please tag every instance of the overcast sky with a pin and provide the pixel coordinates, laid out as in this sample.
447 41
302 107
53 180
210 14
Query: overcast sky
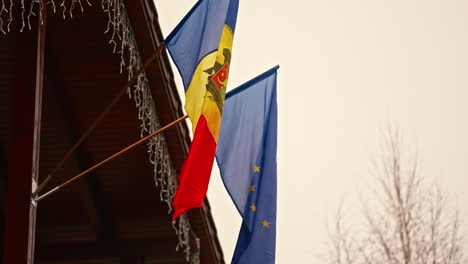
347 68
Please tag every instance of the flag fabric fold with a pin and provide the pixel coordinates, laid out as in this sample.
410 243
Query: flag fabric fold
201 46
246 156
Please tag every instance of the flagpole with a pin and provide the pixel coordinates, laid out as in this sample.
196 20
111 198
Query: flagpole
110 158
98 120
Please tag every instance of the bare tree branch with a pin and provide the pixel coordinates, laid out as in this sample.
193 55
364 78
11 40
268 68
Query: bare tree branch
408 223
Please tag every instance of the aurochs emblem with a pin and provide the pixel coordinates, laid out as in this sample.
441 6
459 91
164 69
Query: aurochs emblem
218 79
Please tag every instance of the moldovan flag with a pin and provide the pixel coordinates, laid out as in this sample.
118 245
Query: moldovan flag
200 47
246 156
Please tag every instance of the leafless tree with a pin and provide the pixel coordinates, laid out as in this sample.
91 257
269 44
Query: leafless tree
406 222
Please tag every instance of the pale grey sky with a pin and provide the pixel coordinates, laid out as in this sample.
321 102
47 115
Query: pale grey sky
347 68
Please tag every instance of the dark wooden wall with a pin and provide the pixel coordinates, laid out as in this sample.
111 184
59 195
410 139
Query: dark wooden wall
7 66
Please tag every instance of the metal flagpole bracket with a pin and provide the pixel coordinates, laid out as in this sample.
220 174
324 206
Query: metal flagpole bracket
33 190
37 190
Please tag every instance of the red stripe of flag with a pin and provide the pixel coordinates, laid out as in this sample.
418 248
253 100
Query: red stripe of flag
196 170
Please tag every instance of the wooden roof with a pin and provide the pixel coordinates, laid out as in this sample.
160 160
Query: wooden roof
114 213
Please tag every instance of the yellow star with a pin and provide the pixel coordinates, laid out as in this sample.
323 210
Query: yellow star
265 223
252 188
256 168
253 207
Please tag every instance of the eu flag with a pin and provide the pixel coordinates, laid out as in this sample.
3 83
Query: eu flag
246 156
